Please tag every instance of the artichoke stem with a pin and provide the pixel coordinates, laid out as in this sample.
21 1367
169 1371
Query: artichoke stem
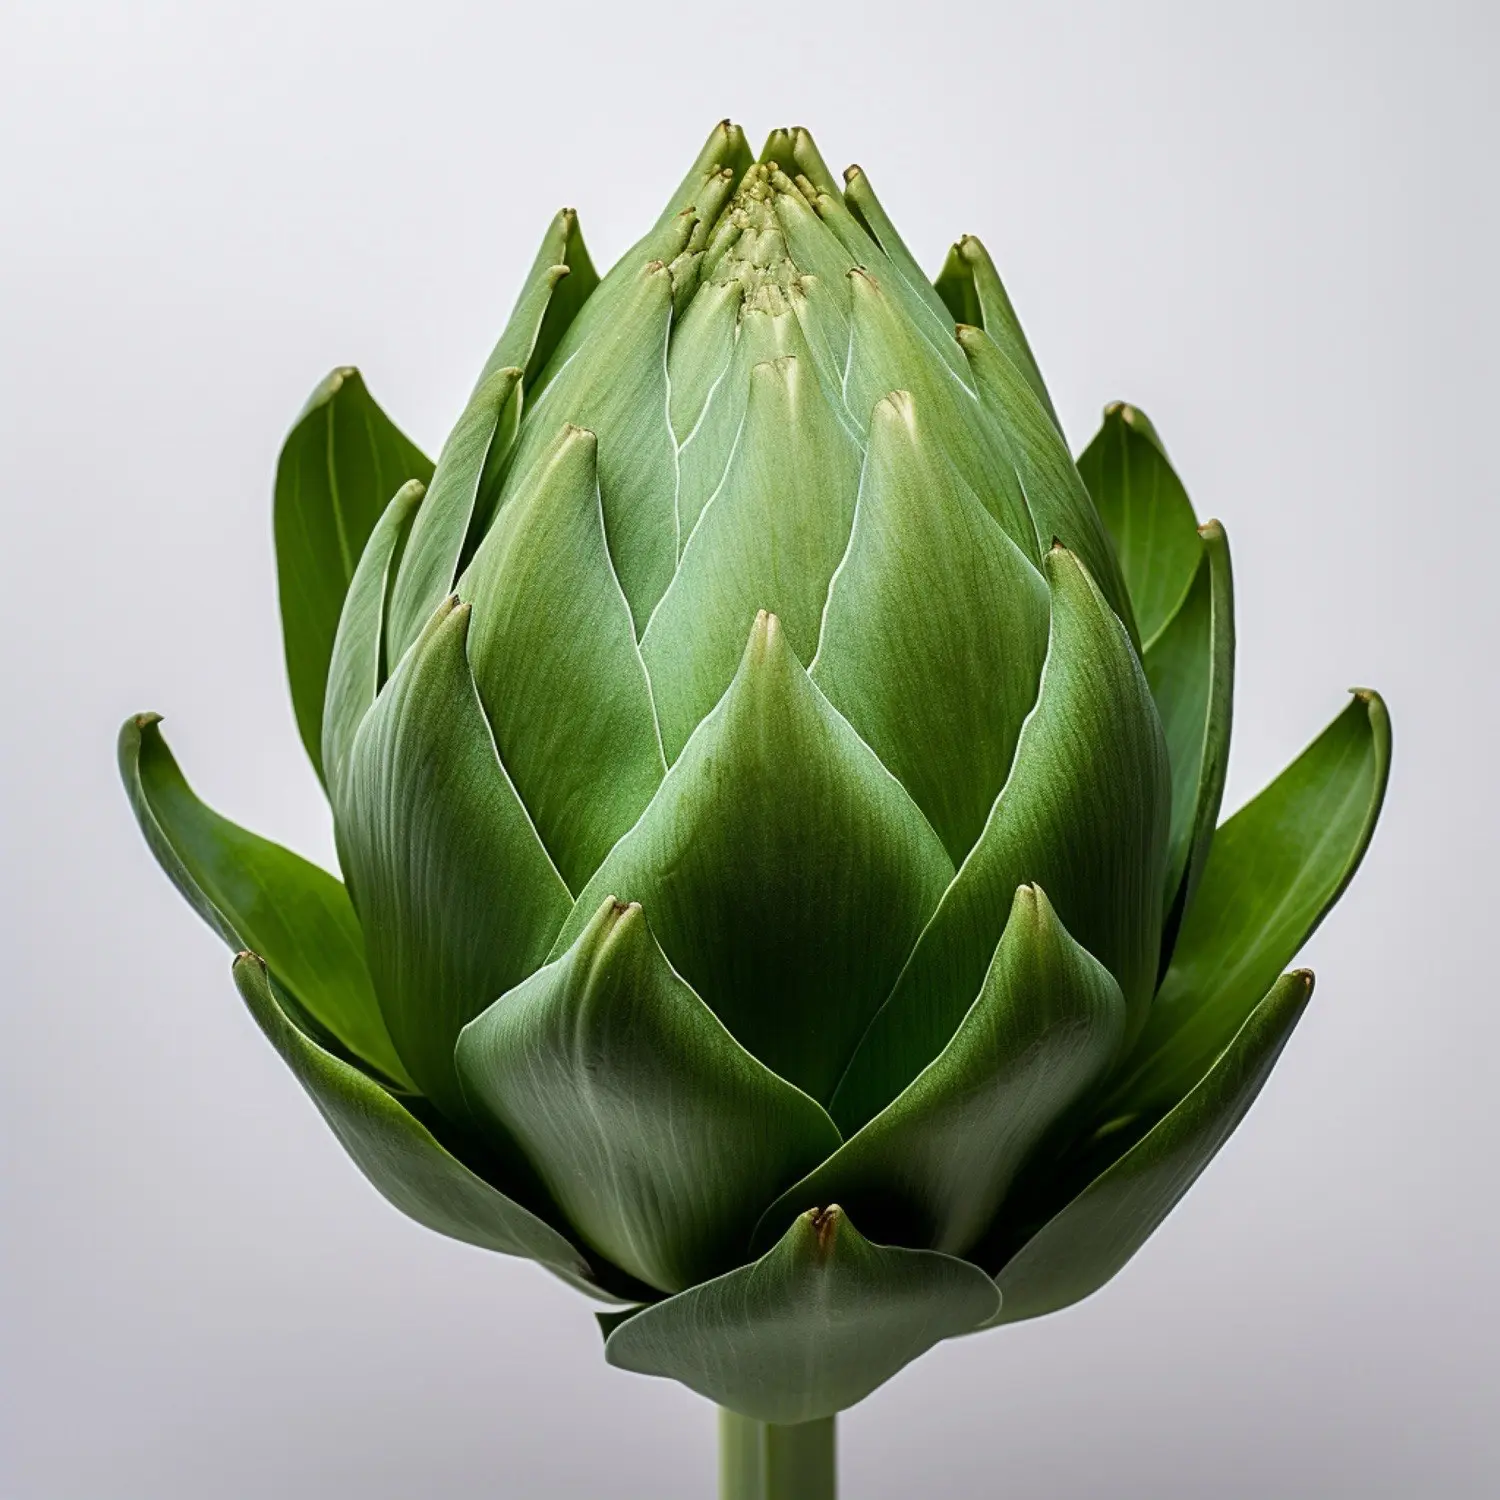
768 1461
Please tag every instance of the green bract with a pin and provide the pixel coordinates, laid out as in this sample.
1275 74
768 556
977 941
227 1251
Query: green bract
776 793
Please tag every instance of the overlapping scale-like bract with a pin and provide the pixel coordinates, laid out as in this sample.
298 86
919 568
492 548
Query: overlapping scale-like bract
766 770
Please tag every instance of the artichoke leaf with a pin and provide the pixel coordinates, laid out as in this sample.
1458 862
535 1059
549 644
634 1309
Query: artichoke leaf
887 354
1056 498
786 871
973 293
1084 814
935 628
555 660
726 154
810 1328
1272 873
611 379
1146 510
1190 667
460 497
458 897
357 668
934 1166
770 539
656 1133
254 893
561 279
397 1153
867 208
1082 1245
340 465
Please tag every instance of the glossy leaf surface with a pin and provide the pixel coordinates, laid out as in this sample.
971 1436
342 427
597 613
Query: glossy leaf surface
456 894
1084 814
658 1135
1190 667
1082 1246
555 661
255 893
1142 502
339 467
786 872
814 1326
1273 871
935 628
933 1167
357 670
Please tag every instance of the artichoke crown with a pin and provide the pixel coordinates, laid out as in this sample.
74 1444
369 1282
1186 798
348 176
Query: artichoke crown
776 791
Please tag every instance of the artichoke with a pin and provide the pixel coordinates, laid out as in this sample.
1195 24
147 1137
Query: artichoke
776 792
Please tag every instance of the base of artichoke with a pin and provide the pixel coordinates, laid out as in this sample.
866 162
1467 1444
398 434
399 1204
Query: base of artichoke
766 1461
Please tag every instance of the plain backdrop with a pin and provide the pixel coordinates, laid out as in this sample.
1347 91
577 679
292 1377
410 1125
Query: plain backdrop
1273 226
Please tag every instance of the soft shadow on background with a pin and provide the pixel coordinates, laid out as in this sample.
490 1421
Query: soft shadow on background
1273 226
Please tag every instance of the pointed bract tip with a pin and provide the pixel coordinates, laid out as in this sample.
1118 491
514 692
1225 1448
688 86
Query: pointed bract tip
824 1223
1308 979
144 721
1213 527
852 171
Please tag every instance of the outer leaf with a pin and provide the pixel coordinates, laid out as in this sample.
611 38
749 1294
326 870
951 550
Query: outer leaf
395 1151
770 539
1147 511
556 664
340 465
560 281
658 1135
887 353
1084 815
1060 507
866 207
251 891
461 495
610 377
1273 871
1082 1246
811 1328
970 287
934 1165
1190 667
935 629
726 151
457 896
786 872
357 670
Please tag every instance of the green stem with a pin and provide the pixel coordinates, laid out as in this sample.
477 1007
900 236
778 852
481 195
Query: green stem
765 1461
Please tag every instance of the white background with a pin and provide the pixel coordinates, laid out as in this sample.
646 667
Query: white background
1271 225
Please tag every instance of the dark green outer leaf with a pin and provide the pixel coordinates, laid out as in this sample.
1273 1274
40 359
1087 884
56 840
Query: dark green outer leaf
1190 667
1081 1247
251 891
396 1152
812 1327
339 467
457 896
1273 871
1147 512
933 1167
658 1135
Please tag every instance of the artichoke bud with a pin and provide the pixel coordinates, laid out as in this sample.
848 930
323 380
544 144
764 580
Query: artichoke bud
769 773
